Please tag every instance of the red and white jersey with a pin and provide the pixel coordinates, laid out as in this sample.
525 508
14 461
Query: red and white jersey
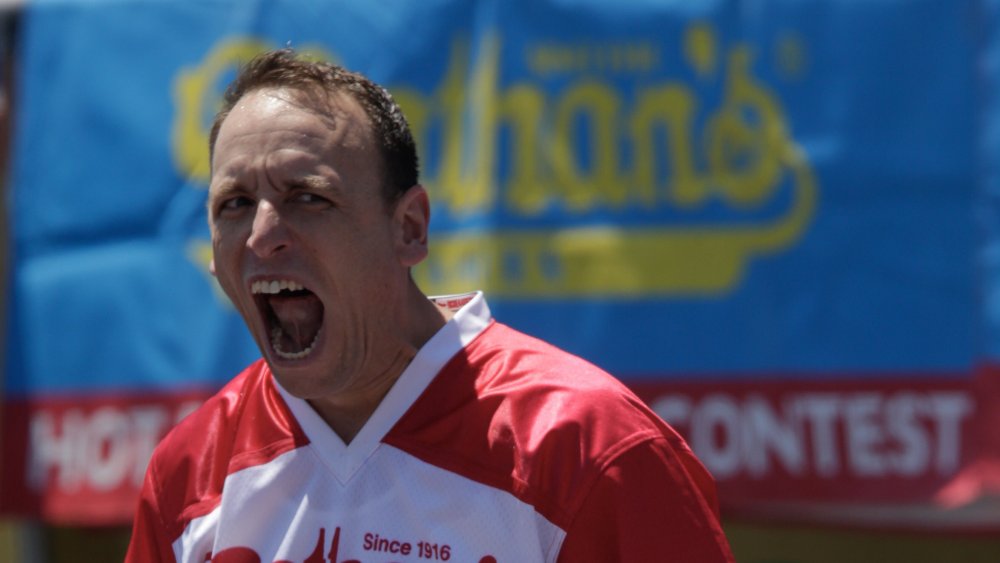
491 447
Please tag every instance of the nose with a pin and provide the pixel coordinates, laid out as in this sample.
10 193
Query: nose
269 233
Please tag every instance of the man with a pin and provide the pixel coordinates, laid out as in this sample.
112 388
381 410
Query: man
381 425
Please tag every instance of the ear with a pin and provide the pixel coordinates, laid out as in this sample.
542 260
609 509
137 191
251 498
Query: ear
411 218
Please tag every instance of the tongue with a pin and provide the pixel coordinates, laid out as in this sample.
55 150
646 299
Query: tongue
300 317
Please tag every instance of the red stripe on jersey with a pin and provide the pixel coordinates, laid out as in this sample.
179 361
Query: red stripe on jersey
196 461
520 415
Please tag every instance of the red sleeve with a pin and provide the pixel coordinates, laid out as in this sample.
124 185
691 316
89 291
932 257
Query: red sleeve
652 503
149 541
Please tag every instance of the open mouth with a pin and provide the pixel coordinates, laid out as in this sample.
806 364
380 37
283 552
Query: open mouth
292 314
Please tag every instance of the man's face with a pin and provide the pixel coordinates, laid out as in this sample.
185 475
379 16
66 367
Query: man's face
304 244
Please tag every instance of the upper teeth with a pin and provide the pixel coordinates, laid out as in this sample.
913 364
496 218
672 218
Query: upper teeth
274 286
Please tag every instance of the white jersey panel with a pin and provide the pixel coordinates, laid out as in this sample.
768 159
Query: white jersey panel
397 509
197 537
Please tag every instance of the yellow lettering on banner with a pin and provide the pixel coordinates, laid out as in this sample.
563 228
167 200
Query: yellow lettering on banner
465 182
581 189
469 118
582 149
745 157
672 109
521 108
550 58
480 183
699 48
742 157
577 262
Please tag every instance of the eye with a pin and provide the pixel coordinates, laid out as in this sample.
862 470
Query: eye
232 204
310 198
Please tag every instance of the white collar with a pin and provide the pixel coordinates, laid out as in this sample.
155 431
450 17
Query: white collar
472 315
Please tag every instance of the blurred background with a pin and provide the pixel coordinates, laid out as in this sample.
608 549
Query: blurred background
775 220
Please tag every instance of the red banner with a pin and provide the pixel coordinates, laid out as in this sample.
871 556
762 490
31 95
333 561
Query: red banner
82 460
890 451
895 452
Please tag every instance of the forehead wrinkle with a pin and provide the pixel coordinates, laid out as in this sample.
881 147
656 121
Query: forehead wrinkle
286 168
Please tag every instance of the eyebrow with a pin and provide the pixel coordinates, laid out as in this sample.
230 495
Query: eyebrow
315 182
222 189
228 186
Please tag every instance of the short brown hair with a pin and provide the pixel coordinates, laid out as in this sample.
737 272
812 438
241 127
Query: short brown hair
283 68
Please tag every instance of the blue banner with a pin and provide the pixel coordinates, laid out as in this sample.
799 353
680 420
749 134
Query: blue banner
710 189
673 190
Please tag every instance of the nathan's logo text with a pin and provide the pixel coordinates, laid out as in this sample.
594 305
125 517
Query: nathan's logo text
605 180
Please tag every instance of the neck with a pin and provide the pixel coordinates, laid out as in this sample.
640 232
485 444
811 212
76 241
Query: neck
347 414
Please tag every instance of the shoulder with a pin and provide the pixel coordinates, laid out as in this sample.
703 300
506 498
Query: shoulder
217 419
519 414
553 390
246 423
